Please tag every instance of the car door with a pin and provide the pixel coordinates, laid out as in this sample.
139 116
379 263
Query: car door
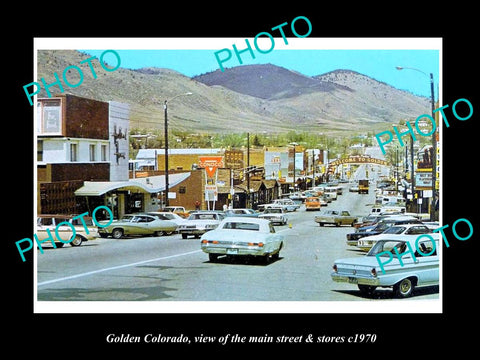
141 225
427 261
345 218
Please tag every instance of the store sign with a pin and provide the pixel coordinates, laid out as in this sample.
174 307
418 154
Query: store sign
211 193
423 180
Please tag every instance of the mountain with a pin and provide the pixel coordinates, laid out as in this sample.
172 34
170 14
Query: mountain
267 81
252 98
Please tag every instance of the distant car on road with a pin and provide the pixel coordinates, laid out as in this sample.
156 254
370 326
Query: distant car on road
312 203
287 204
242 236
403 277
276 215
137 224
241 212
336 217
199 222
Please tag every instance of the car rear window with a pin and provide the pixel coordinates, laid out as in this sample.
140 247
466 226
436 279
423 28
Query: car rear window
241 226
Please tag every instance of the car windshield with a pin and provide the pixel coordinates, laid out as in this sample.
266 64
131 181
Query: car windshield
241 226
200 216
395 230
385 246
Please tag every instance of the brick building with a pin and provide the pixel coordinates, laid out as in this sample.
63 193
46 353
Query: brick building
78 139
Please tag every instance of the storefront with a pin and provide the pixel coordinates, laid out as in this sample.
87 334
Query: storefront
124 197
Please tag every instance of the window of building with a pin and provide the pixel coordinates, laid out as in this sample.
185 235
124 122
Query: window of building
73 152
92 149
39 150
104 153
49 116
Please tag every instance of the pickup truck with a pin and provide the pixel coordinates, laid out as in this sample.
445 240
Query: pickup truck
336 217
363 186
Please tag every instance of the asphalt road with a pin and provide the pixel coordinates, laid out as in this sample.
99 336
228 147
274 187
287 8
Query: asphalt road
169 268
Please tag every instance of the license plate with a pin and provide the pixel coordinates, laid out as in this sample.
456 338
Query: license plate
232 251
352 280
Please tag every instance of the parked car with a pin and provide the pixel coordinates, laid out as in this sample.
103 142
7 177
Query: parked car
276 215
367 242
287 204
387 209
312 203
242 236
65 232
199 222
403 276
241 212
137 224
371 220
167 215
180 210
336 217
380 227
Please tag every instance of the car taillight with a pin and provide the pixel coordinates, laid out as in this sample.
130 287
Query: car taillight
204 241
334 267
373 272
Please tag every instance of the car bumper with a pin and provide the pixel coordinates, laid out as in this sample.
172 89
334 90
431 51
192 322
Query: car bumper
355 279
193 231
235 250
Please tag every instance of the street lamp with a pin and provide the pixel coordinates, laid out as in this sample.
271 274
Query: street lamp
165 108
434 142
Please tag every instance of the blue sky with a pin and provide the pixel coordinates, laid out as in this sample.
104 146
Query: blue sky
378 64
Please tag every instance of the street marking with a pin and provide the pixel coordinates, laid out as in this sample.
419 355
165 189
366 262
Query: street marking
114 268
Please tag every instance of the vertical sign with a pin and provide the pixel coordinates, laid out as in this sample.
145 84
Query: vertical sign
210 164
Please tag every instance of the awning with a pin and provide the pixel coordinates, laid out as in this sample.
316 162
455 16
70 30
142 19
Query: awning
151 184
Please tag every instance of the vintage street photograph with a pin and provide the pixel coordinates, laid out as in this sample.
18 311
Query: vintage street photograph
269 174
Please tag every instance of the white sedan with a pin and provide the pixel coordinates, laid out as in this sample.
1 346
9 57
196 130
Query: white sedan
367 242
199 223
242 236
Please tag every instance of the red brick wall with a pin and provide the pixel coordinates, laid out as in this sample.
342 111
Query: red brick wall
85 118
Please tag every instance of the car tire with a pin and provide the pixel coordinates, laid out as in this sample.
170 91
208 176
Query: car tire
184 236
320 224
77 241
404 288
212 257
117 233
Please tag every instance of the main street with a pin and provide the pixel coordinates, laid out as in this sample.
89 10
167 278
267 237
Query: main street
169 268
